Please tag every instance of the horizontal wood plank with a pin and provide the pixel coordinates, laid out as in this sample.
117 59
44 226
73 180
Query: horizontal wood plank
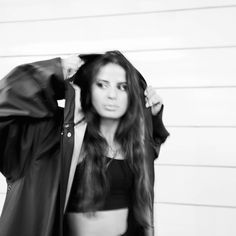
173 220
185 29
168 68
196 185
199 107
199 146
14 10
181 68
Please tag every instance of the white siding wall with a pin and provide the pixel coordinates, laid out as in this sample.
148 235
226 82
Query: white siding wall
187 50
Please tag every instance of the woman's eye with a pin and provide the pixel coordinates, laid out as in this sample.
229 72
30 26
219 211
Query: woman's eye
123 87
101 85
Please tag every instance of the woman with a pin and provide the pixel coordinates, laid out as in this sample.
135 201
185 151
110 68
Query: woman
48 147
112 165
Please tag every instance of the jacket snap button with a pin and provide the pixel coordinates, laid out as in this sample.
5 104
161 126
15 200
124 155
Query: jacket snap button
9 187
69 134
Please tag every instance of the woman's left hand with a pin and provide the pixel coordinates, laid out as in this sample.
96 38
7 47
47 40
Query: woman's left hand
153 100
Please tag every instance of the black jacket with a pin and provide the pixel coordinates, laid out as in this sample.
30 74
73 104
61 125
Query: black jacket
36 147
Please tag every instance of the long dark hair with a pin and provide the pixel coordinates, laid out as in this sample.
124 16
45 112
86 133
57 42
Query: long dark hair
130 135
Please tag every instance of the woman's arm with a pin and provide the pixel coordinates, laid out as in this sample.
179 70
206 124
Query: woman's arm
28 103
155 102
32 90
28 108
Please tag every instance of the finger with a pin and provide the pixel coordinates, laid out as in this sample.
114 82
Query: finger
152 94
150 91
146 103
80 62
155 109
153 103
156 101
73 65
154 97
147 90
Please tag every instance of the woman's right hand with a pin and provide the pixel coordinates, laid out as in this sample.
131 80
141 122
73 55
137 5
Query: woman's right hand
70 65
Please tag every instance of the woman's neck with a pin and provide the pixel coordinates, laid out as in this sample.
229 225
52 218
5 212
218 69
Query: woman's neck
108 129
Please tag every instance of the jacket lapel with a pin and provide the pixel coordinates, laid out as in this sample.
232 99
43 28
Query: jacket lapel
73 134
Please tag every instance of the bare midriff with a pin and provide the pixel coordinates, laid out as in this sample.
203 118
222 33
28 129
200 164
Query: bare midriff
101 223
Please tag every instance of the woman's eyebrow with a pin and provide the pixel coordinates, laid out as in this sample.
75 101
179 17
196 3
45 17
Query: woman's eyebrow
107 81
103 80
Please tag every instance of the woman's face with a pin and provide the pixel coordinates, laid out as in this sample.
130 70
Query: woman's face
109 92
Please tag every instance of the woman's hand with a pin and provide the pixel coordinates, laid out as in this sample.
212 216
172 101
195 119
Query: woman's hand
70 65
153 100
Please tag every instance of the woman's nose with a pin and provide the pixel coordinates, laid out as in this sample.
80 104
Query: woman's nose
112 93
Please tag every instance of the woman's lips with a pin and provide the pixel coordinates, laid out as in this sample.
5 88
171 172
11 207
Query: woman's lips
110 107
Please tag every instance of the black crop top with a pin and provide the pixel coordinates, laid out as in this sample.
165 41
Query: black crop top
120 178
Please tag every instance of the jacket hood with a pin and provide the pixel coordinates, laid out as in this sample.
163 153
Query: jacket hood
90 58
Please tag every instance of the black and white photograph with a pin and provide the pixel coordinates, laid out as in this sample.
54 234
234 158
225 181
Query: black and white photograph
117 118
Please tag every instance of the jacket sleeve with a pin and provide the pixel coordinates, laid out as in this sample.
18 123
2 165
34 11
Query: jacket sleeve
32 90
28 97
160 132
